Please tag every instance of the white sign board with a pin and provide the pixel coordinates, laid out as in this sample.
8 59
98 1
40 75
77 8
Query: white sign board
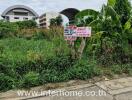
72 32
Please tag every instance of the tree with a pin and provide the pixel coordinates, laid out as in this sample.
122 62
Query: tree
104 23
123 9
56 21
107 35
107 40
85 17
111 29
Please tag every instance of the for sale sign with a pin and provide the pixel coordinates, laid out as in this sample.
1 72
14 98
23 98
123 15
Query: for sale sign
83 32
69 33
72 32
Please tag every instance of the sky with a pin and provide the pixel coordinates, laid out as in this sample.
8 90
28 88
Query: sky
42 6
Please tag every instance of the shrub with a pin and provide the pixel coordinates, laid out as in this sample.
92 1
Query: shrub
33 56
122 68
26 24
2 47
117 69
55 69
59 63
127 68
6 82
48 75
84 70
12 29
7 29
48 34
53 75
30 79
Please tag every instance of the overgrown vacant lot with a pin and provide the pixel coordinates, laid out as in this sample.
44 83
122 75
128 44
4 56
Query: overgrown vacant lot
27 63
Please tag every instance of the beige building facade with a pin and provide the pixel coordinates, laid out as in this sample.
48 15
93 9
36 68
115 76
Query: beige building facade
44 20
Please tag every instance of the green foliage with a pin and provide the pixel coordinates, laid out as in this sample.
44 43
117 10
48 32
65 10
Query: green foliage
48 34
108 37
124 68
7 29
123 9
84 70
127 25
127 31
49 76
26 24
27 63
111 3
56 21
6 82
1 49
30 79
41 56
59 63
56 69
12 29
21 61
85 17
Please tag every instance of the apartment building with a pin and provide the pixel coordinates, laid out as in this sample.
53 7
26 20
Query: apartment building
44 19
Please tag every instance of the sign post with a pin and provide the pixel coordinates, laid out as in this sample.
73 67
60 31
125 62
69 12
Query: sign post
71 33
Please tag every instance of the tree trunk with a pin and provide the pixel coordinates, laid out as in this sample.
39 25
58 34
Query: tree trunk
81 48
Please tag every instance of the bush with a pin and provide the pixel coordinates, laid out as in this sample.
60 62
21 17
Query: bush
48 75
122 68
30 79
117 69
84 70
6 82
49 34
12 29
46 34
2 47
52 76
29 24
7 29
59 63
56 69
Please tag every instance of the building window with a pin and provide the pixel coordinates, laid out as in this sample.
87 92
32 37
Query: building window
44 19
16 17
25 18
21 13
